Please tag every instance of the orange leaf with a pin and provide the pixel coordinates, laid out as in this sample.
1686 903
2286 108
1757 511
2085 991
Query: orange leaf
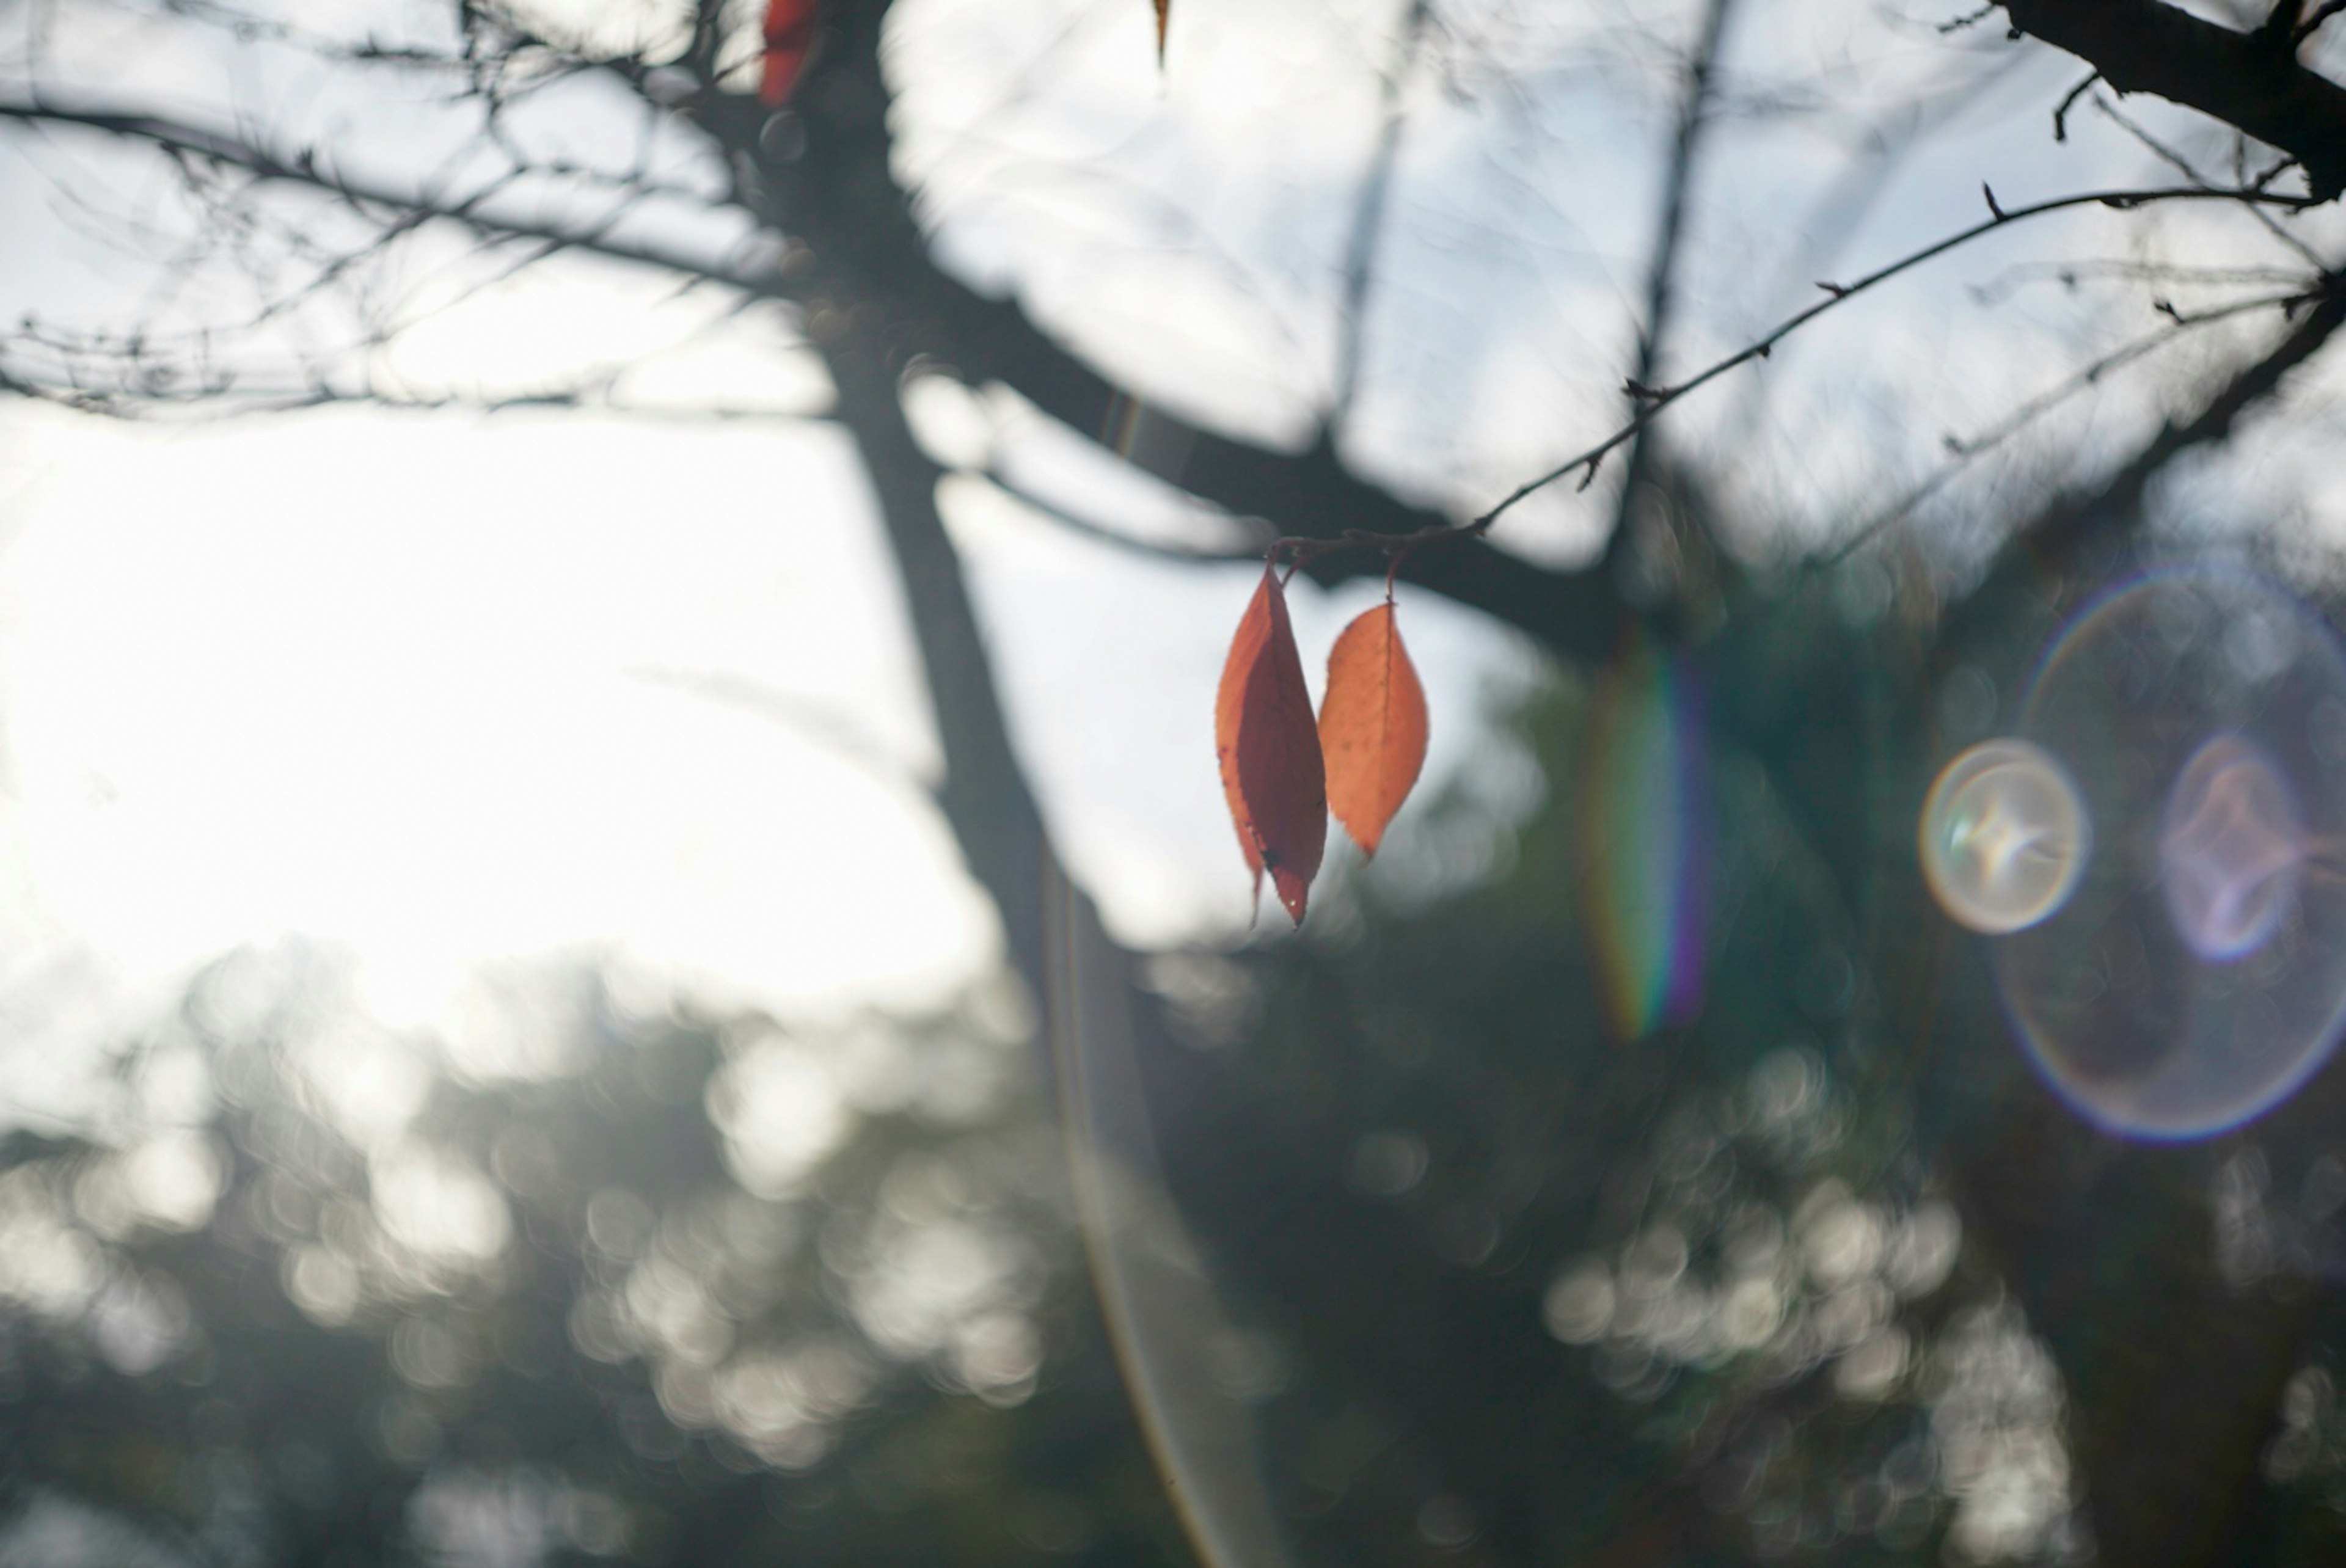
1371 726
1269 752
1164 17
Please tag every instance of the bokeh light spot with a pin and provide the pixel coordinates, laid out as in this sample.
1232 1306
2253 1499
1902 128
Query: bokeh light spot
2004 837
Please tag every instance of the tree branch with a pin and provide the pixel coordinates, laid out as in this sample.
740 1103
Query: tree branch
1368 218
1084 527
984 795
869 263
1661 276
2053 538
1964 451
2146 46
2057 530
1656 399
2314 19
876 268
892 278
181 138
869 256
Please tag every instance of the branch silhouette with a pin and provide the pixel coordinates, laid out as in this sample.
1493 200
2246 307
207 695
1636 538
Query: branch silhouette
1656 399
2241 78
1662 266
2258 378
1322 508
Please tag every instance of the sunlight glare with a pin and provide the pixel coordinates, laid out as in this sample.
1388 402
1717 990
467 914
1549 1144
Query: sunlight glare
446 693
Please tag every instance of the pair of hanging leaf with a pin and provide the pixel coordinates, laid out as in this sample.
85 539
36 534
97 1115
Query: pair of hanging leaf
1281 772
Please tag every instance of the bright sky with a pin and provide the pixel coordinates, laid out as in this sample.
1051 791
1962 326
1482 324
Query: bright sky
445 692
442 692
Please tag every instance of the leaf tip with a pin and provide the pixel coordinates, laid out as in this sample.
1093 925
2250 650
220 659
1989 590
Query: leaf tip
1294 891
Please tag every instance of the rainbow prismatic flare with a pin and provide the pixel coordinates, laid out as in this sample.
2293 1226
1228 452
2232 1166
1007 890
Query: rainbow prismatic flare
1645 825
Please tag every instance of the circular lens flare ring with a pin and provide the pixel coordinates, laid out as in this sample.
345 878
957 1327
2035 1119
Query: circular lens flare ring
2229 847
2195 977
2004 836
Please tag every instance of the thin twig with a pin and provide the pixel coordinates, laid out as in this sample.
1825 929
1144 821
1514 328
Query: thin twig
1761 347
2312 23
225 150
1965 452
2191 171
1659 398
2005 285
2061 115
1100 533
2067 522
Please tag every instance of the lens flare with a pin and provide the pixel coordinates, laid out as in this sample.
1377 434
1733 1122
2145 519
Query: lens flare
1166 1319
2197 975
2004 838
1646 825
2228 850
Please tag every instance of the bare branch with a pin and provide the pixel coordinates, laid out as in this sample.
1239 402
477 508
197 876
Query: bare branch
1100 533
1585 463
207 402
2005 284
2312 23
182 140
2068 102
1661 273
876 268
984 797
1968 450
2147 46
2184 166
1573 613
2063 525
1368 220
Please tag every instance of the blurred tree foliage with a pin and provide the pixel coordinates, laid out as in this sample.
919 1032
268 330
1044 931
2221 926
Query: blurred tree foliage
545 1320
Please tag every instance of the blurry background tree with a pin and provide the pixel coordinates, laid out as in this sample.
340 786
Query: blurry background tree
1631 1166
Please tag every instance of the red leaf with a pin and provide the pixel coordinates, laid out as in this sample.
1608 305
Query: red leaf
1371 726
1270 751
790 32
